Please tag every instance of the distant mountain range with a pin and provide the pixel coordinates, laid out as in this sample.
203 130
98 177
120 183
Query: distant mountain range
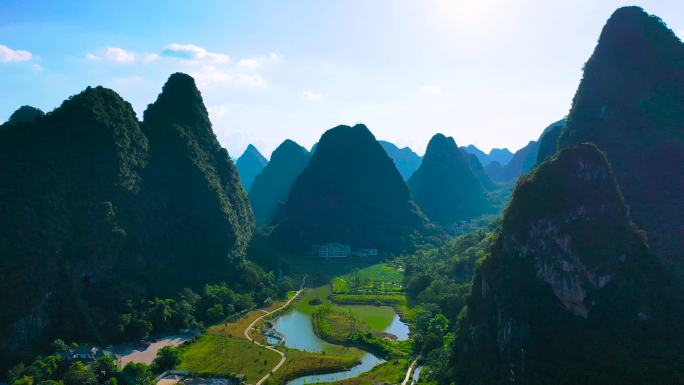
524 159
445 186
272 185
405 159
500 155
249 165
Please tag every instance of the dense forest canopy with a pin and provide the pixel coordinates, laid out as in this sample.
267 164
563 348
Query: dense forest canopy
101 214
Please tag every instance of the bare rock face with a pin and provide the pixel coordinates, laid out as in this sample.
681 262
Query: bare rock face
568 268
630 104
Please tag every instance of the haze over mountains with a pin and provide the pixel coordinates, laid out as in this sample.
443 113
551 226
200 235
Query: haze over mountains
272 185
405 159
249 165
500 155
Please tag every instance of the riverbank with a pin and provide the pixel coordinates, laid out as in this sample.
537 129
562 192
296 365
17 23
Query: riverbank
229 349
234 348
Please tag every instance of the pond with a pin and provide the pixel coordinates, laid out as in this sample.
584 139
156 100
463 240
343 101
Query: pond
297 329
398 328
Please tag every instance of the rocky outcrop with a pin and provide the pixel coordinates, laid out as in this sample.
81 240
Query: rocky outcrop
568 268
630 103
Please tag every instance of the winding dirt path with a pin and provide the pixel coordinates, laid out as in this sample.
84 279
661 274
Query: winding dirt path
282 355
408 372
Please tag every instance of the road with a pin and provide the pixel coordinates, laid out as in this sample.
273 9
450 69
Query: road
282 355
127 353
408 372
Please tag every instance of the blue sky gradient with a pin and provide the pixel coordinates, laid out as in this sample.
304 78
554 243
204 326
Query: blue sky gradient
490 73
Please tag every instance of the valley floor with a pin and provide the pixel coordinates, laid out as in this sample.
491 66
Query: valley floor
239 347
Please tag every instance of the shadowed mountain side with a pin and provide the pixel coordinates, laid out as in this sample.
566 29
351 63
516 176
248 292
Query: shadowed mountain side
445 186
630 103
350 192
570 292
272 186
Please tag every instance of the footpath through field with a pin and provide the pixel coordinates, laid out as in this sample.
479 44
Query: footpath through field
408 372
282 355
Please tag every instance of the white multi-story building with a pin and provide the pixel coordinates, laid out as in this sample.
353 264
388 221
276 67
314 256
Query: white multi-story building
366 252
331 250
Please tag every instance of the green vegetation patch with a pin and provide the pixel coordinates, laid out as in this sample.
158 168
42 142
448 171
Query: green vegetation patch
346 328
219 355
391 372
301 363
378 278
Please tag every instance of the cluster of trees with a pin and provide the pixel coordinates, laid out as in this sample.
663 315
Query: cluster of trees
102 213
438 279
190 309
55 369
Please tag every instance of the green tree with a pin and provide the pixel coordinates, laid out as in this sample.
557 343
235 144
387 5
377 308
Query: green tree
136 374
59 346
104 368
24 380
167 358
80 374
215 313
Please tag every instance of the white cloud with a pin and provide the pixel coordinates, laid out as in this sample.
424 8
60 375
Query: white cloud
251 80
37 67
211 76
680 34
256 62
249 63
93 57
119 55
8 55
430 89
193 53
217 112
311 96
151 57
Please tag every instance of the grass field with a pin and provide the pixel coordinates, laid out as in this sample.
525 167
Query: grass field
378 318
219 355
373 279
302 364
391 372
370 299
224 349
237 327
380 272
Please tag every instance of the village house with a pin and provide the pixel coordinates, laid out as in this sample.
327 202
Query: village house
83 353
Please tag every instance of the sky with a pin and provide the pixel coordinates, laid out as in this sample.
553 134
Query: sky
492 73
